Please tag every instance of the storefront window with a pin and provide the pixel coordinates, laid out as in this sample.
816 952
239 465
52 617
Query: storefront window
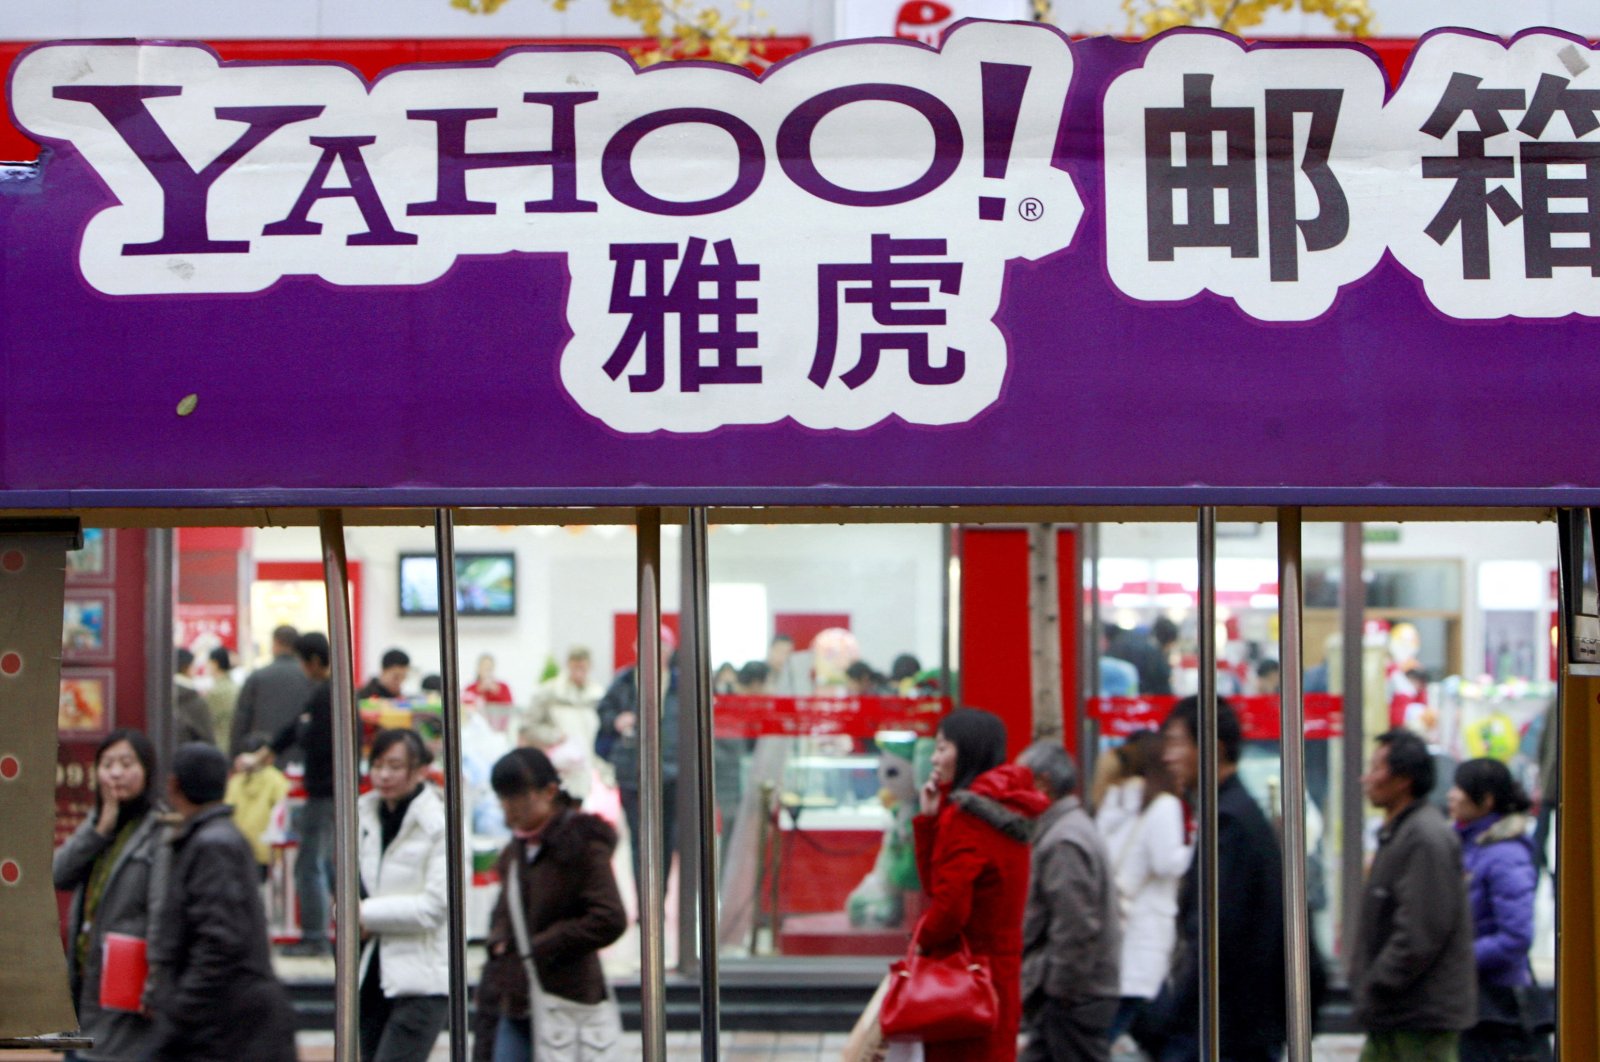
827 646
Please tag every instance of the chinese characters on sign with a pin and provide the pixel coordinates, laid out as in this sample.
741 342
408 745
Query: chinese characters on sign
1276 175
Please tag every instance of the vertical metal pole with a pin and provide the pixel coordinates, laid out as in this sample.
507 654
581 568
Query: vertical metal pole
652 854
697 598
161 593
347 901
1291 707
1353 809
1210 1041
690 841
444 536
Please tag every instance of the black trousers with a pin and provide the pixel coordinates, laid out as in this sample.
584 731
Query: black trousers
400 1028
1059 1032
630 811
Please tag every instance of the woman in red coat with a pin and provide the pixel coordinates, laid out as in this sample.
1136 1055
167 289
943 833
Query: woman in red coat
972 852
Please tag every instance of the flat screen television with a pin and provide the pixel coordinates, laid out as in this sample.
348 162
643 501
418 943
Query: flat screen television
486 584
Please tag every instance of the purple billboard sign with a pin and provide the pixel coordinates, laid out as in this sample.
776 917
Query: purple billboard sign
1011 269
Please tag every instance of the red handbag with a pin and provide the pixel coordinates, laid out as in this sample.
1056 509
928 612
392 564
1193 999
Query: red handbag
938 998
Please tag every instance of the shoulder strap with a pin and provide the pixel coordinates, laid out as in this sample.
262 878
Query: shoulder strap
1127 844
519 924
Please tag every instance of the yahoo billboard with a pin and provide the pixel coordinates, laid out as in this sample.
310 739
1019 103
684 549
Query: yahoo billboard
1010 269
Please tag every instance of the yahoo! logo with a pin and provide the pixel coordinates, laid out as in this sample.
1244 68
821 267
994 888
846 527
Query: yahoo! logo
811 199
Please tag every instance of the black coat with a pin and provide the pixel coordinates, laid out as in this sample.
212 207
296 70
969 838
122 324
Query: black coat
216 997
1250 956
622 752
312 733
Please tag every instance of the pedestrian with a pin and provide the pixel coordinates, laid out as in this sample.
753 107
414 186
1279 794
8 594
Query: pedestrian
191 716
569 898
977 816
405 874
487 688
1413 981
1070 936
617 742
255 790
389 683
1491 818
272 697
1142 821
214 996
562 721
223 695
115 865
1250 958
312 733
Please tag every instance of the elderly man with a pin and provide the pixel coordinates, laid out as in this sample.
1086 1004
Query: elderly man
1070 935
1413 978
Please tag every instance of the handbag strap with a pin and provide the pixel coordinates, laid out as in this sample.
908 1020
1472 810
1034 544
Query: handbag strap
519 930
519 927
1127 844
961 948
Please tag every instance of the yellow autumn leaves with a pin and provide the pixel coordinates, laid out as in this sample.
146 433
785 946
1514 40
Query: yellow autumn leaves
681 29
1146 18
691 29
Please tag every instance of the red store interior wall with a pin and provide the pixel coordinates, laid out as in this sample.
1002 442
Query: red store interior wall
995 659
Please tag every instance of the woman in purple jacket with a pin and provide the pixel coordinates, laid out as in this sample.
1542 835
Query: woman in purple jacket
1490 813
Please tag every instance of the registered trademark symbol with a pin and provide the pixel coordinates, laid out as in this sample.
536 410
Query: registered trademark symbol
1030 209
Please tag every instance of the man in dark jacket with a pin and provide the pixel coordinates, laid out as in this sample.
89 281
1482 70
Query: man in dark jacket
618 743
312 733
272 697
1071 939
1250 916
215 994
388 684
1413 980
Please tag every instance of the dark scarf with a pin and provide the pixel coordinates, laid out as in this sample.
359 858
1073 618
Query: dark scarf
390 821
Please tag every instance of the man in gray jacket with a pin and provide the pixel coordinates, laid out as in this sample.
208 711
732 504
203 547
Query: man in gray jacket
1413 978
273 696
1070 935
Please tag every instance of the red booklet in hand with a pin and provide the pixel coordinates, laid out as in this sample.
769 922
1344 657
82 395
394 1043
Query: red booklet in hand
122 972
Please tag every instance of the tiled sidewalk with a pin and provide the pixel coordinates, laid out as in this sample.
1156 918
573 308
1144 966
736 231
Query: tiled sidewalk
781 1047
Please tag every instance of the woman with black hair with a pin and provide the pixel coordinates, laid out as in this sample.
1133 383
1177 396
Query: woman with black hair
116 866
405 874
972 842
1491 816
560 860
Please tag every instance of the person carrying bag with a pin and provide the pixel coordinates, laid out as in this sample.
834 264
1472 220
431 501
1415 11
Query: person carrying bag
543 986
563 1029
972 837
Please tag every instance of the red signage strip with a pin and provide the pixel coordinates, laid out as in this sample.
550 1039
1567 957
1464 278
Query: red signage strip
742 716
1120 717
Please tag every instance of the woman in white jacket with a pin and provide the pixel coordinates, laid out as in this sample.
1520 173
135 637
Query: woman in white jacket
404 907
1142 822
